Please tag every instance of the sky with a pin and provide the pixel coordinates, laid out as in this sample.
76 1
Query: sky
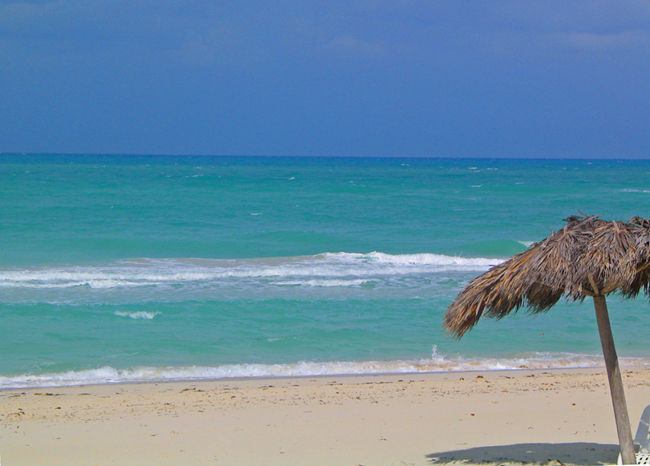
402 78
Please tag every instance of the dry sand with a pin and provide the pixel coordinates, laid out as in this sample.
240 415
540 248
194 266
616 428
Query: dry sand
409 419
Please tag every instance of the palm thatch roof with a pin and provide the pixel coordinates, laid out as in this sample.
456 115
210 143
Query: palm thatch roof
587 257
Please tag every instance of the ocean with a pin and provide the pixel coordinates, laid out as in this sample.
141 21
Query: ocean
152 268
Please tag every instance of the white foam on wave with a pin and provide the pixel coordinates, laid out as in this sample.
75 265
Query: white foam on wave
412 259
137 315
526 243
109 375
323 283
326 267
644 191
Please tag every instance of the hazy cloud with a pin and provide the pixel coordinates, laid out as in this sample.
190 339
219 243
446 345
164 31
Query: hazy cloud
213 33
344 74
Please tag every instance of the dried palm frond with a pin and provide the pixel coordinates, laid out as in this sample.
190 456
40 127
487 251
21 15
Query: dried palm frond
586 257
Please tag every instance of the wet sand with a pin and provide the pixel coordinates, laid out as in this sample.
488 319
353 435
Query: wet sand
544 417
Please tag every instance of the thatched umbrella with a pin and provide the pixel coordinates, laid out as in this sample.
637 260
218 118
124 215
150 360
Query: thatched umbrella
587 257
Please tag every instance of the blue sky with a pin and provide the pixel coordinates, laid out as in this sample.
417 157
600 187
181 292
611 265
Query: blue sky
346 78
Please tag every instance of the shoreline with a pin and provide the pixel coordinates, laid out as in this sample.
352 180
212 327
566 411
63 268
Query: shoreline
107 375
501 417
596 369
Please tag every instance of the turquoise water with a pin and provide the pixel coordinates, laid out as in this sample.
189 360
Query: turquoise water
116 268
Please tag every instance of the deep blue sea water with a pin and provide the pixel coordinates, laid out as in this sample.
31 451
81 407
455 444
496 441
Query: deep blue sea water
132 268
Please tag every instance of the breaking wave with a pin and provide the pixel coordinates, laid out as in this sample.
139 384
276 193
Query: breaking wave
137 315
328 269
110 375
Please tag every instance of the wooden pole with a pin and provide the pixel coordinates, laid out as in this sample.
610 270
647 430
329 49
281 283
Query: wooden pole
615 382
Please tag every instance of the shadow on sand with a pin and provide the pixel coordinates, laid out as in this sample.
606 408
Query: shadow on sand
540 453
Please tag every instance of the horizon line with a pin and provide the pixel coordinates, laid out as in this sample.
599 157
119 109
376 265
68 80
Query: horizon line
305 156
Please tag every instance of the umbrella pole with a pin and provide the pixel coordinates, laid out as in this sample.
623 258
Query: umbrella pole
615 382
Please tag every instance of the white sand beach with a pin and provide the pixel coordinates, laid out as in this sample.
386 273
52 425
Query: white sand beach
542 417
